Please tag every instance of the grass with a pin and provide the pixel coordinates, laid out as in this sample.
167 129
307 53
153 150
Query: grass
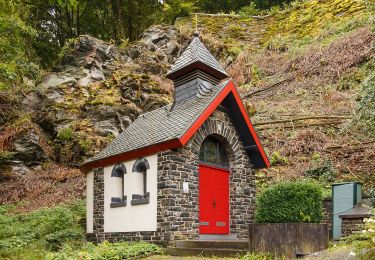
106 250
58 233
32 235
292 27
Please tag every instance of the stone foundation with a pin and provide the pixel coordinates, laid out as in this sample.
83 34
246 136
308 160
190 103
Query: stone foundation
113 237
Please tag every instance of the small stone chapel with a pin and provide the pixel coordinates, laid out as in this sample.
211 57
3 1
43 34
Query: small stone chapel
185 171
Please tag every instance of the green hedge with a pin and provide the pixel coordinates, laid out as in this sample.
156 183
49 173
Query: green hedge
290 202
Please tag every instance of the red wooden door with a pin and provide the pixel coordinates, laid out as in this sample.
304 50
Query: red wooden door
213 200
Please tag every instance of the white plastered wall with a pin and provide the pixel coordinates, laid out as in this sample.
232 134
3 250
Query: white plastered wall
131 218
89 201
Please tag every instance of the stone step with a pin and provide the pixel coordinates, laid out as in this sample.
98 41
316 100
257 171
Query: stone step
205 252
214 244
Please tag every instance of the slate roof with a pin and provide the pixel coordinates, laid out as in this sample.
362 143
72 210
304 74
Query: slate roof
196 53
160 125
191 89
363 209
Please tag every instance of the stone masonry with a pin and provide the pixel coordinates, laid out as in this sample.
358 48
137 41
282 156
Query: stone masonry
178 217
178 212
351 226
327 214
98 217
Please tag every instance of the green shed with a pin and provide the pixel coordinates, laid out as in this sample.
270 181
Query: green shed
345 196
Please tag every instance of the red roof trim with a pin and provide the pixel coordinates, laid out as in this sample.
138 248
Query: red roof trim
230 87
206 113
148 150
176 143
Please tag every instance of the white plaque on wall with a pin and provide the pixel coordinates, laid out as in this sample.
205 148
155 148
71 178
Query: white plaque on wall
185 187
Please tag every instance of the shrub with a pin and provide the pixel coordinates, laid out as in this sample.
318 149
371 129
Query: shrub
249 10
57 233
40 230
371 194
65 134
259 256
290 202
176 8
322 172
366 247
55 241
278 159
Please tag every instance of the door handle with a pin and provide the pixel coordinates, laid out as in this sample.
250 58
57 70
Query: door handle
214 204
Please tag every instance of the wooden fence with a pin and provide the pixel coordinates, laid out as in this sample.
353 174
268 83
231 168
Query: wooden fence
288 239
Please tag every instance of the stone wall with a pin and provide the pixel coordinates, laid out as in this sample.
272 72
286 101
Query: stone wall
150 236
98 218
351 226
327 214
178 212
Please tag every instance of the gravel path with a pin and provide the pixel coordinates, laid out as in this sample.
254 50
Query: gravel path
344 253
340 253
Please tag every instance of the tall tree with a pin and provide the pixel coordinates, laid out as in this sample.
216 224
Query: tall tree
17 58
59 20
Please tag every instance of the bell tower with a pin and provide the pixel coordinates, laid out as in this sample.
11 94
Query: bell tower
195 72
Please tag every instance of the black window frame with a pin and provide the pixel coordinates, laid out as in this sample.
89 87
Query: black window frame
119 171
141 165
221 154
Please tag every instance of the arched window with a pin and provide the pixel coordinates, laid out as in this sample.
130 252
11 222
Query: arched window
141 166
119 171
213 152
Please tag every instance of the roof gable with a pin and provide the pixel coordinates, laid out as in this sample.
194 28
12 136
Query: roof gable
230 97
164 129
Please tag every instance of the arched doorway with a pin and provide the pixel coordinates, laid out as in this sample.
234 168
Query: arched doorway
213 188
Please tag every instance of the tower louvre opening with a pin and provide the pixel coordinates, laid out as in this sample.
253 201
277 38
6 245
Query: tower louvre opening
195 72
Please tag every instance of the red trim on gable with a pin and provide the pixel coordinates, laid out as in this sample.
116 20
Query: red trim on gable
206 113
171 144
176 143
230 87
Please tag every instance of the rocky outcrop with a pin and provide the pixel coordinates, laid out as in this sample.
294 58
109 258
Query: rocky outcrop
85 60
94 93
27 148
164 39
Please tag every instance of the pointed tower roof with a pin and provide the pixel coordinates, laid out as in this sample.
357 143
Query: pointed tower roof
196 56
